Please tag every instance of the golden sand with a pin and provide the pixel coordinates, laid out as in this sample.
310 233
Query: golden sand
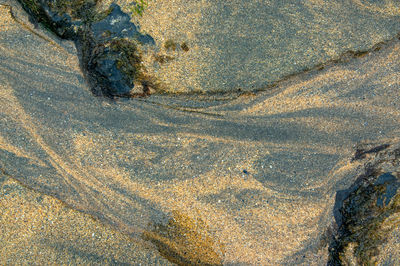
252 184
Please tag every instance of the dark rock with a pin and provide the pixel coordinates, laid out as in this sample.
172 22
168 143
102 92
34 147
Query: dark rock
362 211
112 60
117 25
106 41
112 69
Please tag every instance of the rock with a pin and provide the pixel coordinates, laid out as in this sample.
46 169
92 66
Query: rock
106 41
117 24
368 212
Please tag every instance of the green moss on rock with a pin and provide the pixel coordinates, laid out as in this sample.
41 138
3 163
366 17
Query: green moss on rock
129 60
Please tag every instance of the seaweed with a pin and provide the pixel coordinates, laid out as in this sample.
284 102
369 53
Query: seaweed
186 241
170 45
138 7
184 47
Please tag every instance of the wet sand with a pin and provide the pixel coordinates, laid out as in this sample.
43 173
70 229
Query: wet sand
254 176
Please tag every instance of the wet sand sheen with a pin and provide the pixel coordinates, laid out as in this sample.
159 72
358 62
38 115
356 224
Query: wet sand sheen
260 178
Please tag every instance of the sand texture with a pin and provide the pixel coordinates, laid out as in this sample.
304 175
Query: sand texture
39 229
234 178
249 45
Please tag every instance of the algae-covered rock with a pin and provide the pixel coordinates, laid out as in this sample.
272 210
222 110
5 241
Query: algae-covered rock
111 56
106 40
63 18
368 212
114 66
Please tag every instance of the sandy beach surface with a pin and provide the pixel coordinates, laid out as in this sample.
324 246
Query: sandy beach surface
232 178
